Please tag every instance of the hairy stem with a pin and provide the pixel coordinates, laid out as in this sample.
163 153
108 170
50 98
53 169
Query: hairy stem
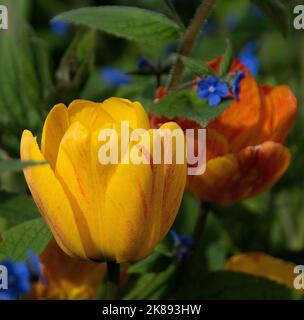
188 41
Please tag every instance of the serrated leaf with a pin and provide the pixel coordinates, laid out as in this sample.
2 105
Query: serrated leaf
17 165
17 208
277 12
127 22
197 66
226 62
186 104
33 234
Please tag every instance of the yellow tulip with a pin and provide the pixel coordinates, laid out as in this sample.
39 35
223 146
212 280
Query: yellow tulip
100 212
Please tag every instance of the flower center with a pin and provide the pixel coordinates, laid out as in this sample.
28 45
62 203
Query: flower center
212 89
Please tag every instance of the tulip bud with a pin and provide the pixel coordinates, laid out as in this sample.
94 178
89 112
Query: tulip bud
101 212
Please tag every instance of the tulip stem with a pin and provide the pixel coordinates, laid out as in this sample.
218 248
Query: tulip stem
113 280
188 40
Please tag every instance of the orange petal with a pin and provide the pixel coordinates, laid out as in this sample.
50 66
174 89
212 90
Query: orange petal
235 177
280 108
241 122
67 278
217 145
263 265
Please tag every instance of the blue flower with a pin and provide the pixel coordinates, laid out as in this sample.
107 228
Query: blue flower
249 58
143 62
236 87
18 279
34 265
59 28
183 246
213 89
115 77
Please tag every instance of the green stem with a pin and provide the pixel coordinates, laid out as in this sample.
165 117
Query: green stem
201 222
174 14
113 280
188 40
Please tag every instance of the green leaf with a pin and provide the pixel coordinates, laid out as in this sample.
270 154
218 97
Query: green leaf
197 66
17 165
151 285
33 234
24 74
231 285
17 208
156 262
277 12
186 104
225 64
127 22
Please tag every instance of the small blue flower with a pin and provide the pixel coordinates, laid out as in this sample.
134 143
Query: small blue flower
59 28
213 89
34 265
183 246
236 87
115 77
18 279
6 296
249 58
143 63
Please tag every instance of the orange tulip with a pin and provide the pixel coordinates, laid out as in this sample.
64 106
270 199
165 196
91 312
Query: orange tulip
67 278
245 151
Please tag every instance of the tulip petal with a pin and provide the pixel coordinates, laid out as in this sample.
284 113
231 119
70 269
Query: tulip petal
127 220
125 110
217 145
280 112
56 124
50 198
67 278
84 180
235 177
263 265
90 114
145 213
241 122
175 176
